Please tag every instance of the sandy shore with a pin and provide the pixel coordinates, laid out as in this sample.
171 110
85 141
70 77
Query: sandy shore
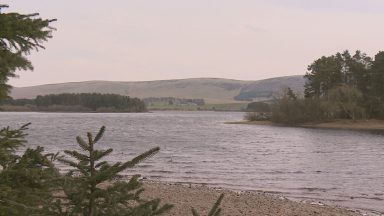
372 124
234 204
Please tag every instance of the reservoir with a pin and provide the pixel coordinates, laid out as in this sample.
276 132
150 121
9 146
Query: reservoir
337 167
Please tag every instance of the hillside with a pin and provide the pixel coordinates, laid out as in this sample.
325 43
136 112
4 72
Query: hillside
212 90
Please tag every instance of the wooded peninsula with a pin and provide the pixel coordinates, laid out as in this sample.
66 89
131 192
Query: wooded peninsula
84 102
338 87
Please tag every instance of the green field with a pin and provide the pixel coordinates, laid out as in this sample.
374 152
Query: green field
193 107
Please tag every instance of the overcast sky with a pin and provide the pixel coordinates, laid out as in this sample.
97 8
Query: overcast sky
132 40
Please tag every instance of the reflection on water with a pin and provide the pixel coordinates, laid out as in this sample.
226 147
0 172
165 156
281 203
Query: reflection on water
334 166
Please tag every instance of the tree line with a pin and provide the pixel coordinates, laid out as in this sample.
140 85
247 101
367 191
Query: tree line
94 102
340 86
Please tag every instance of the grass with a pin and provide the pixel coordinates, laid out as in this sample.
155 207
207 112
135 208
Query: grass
192 107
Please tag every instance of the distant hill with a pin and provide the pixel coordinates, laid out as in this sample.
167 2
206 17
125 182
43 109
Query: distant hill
212 90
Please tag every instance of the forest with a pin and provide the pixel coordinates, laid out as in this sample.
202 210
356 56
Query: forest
84 102
340 86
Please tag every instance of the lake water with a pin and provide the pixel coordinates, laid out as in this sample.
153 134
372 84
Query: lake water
338 167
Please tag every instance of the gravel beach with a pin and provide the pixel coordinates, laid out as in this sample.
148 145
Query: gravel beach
183 197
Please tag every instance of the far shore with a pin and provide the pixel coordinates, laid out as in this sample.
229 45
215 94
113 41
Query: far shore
183 197
371 124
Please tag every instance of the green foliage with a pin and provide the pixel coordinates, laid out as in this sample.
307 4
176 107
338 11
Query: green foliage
291 110
344 102
93 101
338 86
342 68
91 188
258 111
10 141
19 34
325 74
84 102
215 210
375 98
27 182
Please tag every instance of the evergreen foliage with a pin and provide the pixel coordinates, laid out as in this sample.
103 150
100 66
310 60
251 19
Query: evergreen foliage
10 141
332 71
375 98
94 102
357 80
92 189
215 210
19 35
339 86
27 182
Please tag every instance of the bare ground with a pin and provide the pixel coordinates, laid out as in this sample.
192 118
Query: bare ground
234 204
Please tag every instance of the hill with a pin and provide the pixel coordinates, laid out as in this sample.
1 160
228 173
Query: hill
212 90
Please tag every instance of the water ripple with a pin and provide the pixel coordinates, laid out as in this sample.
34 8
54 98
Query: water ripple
335 166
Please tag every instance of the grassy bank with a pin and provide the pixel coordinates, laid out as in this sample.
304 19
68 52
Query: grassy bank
206 107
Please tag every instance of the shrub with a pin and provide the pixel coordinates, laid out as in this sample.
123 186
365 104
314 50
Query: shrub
256 116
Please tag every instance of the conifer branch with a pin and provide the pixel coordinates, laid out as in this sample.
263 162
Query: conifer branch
82 143
140 158
99 134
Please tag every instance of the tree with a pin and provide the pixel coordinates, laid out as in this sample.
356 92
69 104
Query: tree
346 100
332 71
376 92
27 182
357 69
261 107
378 74
19 35
322 75
91 188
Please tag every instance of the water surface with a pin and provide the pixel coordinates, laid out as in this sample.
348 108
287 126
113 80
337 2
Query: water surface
333 166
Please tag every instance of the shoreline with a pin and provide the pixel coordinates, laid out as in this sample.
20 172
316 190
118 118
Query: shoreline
244 203
341 124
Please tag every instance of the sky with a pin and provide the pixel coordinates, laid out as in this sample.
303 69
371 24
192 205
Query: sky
139 40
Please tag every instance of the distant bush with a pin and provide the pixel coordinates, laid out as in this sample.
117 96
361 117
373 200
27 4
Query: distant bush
258 107
341 103
288 108
288 111
257 116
